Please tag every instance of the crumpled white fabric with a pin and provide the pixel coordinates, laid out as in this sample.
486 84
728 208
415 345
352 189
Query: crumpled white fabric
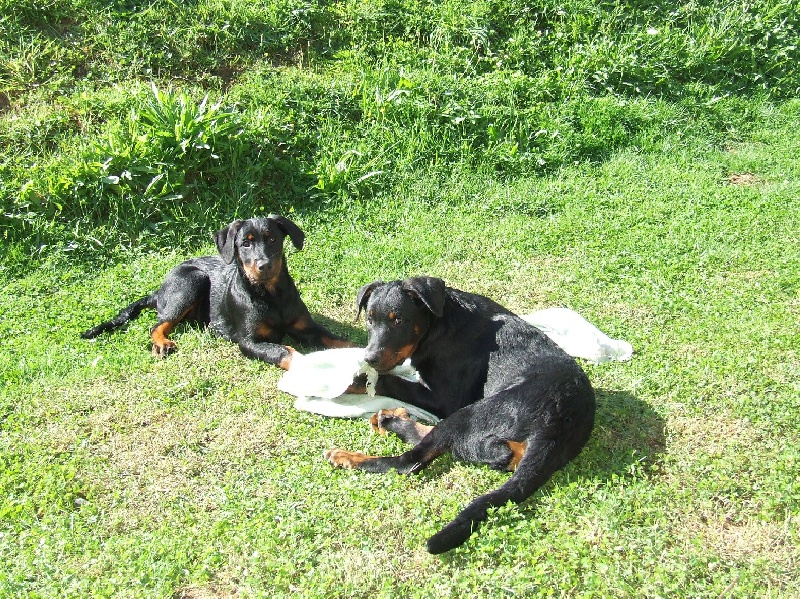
578 337
319 380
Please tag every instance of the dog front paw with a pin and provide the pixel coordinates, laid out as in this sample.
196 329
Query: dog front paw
339 458
163 349
381 419
285 362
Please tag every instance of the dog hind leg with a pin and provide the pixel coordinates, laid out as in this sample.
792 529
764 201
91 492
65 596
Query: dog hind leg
183 296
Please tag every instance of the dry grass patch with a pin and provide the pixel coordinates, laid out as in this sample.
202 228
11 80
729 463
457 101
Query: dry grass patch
743 179
207 591
713 436
715 466
743 540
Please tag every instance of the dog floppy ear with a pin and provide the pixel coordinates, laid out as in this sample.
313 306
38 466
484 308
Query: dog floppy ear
429 290
226 240
363 296
289 228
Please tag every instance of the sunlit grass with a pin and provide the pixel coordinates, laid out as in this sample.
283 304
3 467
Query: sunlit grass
635 163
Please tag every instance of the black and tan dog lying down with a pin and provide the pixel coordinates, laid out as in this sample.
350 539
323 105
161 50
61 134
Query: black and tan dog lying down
508 396
245 294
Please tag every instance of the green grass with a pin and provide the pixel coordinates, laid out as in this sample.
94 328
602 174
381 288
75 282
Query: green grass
637 164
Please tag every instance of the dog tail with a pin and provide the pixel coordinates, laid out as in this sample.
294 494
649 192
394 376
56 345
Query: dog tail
541 460
125 315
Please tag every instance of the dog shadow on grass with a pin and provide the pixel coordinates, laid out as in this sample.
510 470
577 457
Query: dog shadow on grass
628 433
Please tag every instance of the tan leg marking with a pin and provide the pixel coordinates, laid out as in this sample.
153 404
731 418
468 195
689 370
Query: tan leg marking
401 414
378 416
263 332
423 429
346 459
517 451
162 344
287 361
305 322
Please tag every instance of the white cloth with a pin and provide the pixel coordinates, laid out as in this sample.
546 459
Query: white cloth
578 337
319 380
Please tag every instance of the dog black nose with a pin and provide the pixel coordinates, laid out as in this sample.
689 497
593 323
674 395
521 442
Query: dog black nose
372 358
262 265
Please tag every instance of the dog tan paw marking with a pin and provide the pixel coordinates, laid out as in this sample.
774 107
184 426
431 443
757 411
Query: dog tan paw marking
164 348
345 459
381 416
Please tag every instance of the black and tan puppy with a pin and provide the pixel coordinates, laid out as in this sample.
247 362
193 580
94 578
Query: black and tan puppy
508 396
245 294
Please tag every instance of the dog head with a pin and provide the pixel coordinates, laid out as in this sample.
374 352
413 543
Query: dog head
257 244
398 315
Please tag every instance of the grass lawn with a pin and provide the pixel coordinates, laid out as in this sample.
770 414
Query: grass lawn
635 163
194 475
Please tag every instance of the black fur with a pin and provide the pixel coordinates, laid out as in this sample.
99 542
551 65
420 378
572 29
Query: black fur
245 294
508 396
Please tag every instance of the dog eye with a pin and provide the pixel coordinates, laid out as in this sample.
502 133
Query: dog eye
246 243
397 320
271 240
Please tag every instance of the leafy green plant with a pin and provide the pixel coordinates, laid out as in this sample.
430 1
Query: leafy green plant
168 147
174 139
394 88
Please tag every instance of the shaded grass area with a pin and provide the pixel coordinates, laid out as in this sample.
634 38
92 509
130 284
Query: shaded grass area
194 475
319 105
